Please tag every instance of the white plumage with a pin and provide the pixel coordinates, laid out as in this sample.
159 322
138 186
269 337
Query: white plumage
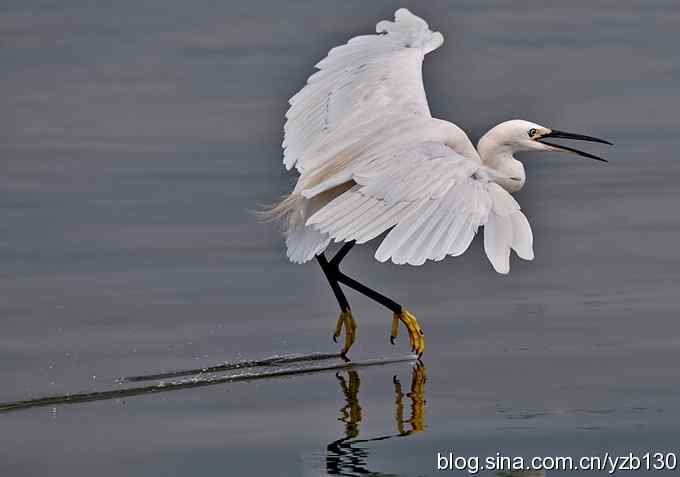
371 159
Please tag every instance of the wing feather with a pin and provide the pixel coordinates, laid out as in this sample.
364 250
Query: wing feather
497 239
432 201
369 77
362 123
522 237
388 218
396 245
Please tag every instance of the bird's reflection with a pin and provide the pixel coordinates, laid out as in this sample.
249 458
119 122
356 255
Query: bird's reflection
347 456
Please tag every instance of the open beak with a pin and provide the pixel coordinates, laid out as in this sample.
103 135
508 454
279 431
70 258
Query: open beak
579 137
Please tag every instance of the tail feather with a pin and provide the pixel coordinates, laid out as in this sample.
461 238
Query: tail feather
302 242
281 210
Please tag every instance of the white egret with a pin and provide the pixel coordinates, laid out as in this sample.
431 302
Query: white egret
372 159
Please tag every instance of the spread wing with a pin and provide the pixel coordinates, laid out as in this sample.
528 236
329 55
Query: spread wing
370 82
434 199
361 132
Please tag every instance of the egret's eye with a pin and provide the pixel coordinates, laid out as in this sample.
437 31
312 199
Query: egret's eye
532 132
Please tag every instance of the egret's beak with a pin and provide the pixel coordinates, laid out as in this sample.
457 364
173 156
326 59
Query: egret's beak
579 137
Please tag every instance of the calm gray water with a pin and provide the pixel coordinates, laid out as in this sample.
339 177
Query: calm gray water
135 136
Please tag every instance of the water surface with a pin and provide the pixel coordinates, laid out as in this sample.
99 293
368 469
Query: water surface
134 138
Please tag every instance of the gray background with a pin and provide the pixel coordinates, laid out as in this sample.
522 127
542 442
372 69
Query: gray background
135 136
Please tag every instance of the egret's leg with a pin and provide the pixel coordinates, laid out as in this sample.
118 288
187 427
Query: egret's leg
332 271
345 319
415 333
327 268
335 261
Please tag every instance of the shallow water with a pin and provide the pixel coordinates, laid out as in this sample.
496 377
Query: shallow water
136 136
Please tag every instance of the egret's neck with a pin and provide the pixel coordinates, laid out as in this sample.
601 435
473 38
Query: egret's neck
498 156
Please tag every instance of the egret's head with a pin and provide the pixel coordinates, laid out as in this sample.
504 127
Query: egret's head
519 135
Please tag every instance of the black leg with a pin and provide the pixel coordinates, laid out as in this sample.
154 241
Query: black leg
372 294
334 275
335 261
332 281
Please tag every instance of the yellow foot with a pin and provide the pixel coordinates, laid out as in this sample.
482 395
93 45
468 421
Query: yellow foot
415 333
345 319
